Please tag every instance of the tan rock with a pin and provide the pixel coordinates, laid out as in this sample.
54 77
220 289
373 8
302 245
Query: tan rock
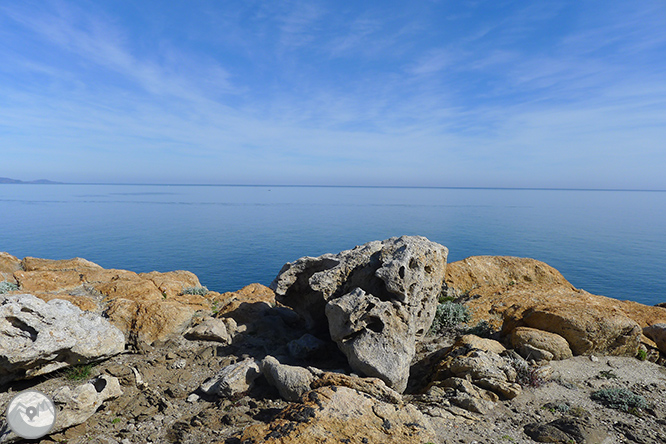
542 340
43 281
485 274
657 333
172 283
478 343
340 414
587 329
100 275
245 304
36 264
133 289
149 322
85 303
8 266
374 387
506 288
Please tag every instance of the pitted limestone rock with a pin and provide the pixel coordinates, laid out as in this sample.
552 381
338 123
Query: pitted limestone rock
376 299
40 337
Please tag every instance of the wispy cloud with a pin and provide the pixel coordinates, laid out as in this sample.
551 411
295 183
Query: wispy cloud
300 91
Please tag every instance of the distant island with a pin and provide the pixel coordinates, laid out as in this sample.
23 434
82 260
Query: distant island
39 181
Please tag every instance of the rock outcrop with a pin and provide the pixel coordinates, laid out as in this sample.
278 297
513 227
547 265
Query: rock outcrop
341 414
146 307
40 337
375 299
514 292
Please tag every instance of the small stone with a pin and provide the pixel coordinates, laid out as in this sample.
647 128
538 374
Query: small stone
594 358
193 398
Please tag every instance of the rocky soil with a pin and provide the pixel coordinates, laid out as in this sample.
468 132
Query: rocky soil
337 350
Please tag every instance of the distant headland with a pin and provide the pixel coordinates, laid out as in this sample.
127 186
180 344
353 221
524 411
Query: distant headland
39 181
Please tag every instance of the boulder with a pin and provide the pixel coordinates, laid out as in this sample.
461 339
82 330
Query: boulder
374 387
341 414
79 404
542 340
375 336
291 381
233 379
474 342
40 337
586 328
210 329
375 299
657 333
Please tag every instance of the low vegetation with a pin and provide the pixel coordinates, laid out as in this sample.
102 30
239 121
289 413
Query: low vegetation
6 287
448 315
200 291
620 399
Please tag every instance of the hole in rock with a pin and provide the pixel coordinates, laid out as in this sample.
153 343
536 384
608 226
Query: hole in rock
16 322
99 385
375 324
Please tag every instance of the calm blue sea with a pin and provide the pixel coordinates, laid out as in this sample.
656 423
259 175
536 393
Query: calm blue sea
607 242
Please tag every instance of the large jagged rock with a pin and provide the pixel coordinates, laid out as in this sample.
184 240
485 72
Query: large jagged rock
375 335
340 414
375 299
38 337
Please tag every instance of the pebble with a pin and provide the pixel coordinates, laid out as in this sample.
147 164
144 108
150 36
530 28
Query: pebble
193 398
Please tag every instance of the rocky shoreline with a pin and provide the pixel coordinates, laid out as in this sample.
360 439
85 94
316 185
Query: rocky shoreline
383 343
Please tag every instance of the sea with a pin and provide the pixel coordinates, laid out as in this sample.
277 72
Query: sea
611 243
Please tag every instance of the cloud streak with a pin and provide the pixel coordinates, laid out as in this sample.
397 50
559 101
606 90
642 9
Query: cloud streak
309 93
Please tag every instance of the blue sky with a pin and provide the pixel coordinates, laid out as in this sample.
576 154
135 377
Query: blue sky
430 93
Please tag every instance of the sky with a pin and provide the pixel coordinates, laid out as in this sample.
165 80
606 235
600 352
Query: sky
563 94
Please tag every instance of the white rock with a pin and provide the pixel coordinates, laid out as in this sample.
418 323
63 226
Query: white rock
233 379
291 381
39 337
81 403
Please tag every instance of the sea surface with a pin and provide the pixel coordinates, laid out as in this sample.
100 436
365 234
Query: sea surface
611 243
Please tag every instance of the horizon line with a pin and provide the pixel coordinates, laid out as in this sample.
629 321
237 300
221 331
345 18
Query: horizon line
344 186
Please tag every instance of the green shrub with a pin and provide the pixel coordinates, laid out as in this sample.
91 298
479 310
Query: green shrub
642 354
79 372
200 291
619 398
6 287
448 315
